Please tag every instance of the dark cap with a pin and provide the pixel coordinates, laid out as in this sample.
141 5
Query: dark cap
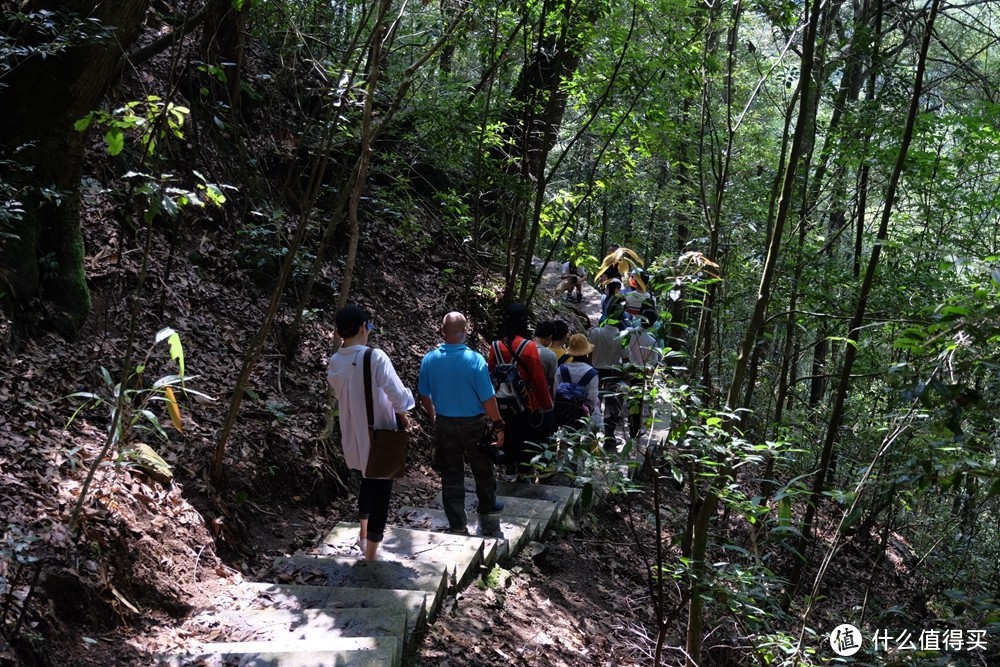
349 320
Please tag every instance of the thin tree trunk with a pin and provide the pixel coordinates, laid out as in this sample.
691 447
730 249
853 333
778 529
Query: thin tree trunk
854 333
374 70
784 206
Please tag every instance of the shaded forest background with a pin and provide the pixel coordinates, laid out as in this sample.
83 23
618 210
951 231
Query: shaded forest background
813 186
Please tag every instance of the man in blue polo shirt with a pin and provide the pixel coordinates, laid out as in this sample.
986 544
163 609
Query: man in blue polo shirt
456 391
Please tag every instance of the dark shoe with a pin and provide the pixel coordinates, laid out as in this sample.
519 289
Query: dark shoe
464 530
489 526
497 507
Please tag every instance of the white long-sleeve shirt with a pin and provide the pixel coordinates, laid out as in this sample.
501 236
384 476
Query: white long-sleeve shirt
642 349
608 351
345 374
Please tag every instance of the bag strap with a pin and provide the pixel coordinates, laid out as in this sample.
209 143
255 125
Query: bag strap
583 382
515 354
367 364
520 349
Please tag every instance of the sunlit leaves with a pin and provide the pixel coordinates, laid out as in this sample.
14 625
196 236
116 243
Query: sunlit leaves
149 120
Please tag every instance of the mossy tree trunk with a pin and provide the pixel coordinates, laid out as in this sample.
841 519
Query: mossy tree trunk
41 98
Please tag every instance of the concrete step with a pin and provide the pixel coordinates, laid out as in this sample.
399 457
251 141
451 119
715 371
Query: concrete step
247 633
431 578
461 556
565 497
517 531
545 513
330 652
254 595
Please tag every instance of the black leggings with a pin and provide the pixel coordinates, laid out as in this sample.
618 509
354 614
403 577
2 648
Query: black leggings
373 504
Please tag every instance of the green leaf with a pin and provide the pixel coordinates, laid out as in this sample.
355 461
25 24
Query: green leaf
170 206
214 195
84 122
785 512
177 351
115 140
85 394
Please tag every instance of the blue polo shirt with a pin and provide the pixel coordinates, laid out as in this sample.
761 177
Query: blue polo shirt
456 379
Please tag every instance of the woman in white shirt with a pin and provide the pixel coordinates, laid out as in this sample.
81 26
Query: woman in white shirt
579 349
644 355
345 374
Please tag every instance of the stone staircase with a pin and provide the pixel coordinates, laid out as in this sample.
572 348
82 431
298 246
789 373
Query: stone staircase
342 611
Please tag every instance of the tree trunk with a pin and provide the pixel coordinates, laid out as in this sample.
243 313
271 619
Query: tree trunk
222 45
41 99
784 207
854 333
532 121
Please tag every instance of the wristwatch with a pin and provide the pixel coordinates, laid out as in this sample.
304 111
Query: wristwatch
499 425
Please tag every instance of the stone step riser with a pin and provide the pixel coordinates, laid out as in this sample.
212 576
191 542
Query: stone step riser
323 621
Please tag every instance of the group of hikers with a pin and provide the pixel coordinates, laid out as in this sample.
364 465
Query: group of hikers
501 409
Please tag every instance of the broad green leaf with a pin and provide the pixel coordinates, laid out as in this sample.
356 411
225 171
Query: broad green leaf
214 195
177 351
170 206
785 512
115 140
84 122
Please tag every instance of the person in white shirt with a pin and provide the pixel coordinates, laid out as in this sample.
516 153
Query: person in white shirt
577 367
391 401
637 296
644 355
607 358
572 277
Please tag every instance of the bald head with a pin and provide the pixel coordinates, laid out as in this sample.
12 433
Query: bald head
453 327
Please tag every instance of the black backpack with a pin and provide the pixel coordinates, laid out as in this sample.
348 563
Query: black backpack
571 404
511 391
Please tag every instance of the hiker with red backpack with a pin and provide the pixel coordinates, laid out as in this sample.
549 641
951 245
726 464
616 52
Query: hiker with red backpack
521 389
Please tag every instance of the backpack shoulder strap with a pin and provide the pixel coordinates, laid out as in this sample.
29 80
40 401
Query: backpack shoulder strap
498 353
564 374
587 377
367 364
563 358
516 358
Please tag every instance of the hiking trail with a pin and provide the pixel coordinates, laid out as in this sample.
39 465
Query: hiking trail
326 606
